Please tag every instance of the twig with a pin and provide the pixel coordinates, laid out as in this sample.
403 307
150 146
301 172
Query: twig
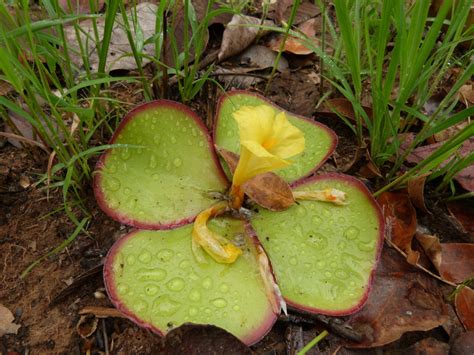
240 74
25 140
420 266
106 339
336 325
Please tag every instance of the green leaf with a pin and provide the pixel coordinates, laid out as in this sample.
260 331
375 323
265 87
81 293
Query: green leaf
320 140
153 278
324 255
167 173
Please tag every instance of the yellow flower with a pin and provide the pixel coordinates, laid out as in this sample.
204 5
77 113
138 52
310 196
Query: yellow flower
267 139
218 247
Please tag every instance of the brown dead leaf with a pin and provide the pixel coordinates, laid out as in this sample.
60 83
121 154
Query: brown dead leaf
369 170
268 190
416 188
260 57
118 56
463 214
195 339
454 261
295 45
467 94
87 325
343 107
464 303
176 20
281 10
6 322
463 344
449 132
402 299
401 221
240 78
427 346
80 6
5 88
431 246
457 261
465 177
238 35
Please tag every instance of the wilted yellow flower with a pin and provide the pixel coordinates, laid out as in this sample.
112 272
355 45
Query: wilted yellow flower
267 139
218 247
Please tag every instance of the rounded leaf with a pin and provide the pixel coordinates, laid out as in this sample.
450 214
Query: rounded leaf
163 173
154 279
320 140
324 255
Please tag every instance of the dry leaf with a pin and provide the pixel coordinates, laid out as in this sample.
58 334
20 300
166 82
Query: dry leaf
237 77
463 344
239 34
87 325
427 346
6 322
457 261
118 56
402 299
177 22
369 170
449 132
343 107
260 57
454 261
80 6
465 177
467 94
281 10
464 303
294 44
431 246
268 190
416 187
5 88
463 213
401 221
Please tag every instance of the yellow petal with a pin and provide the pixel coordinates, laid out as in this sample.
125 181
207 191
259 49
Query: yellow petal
254 161
255 122
218 247
266 140
289 139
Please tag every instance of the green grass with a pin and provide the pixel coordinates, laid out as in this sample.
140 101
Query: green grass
399 51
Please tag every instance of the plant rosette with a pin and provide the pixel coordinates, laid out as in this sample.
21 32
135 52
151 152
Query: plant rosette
311 242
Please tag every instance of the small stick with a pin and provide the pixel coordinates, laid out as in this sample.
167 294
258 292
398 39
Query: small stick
420 266
106 340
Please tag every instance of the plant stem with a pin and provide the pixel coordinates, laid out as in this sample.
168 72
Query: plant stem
236 196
